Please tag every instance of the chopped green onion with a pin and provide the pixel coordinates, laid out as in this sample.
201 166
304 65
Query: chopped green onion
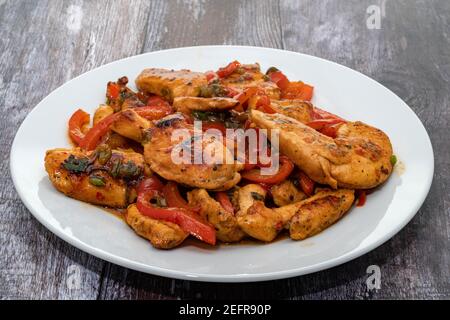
393 159
97 181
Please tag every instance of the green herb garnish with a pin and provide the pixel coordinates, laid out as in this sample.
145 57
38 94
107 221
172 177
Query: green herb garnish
97 181
257 196
76 165
393 159
271 69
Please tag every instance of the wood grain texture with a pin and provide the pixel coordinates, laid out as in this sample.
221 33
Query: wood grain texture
45 43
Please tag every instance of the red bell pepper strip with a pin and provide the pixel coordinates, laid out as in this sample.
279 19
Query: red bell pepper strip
112 90
150 183
331 131
297 90
285 169
210 75
95 134
306 184
76 123
206 125
228 70
224 200
245 95
362 197
322 123
173 196
155 111
279 79
322 114
188 220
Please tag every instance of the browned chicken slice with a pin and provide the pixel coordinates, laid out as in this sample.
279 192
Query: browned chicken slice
170 83
100 179
254 218
358 158
227 229
250 75
300 110
130 125
162 234
318 212
304 218
286 193
188 104
210 165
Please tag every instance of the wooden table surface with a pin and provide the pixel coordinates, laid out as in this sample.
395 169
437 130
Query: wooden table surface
45 43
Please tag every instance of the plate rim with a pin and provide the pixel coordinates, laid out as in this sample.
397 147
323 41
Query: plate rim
201 277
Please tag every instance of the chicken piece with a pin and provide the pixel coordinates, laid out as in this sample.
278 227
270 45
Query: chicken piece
254 217
227 229
102 112
250 75
309 216
162 234
129 124
286 193
171 84
300 110
188 104
358 158
176 153
318 212
79 175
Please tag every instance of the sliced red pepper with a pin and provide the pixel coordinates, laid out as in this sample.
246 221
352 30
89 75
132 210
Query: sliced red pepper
331 131
322 114
279 79
95 134
173 196
297 90
112 90
210 75
245 95
188 220
322 123
228 70
206 125
224 200
362 198
155 111
306 184
76 123
150 183
285 169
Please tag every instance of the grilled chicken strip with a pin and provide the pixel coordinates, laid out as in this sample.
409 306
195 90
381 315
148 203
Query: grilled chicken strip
75 173
286 193
250 75
188 104
162 234
227 229
170 83
358 158
303 219
216 168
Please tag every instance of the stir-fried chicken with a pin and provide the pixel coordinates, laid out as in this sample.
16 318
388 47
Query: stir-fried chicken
358 158
170 83
84 176
223 221
162 234
303 219
216 168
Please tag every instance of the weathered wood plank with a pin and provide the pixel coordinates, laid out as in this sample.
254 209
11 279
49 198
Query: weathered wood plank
43 44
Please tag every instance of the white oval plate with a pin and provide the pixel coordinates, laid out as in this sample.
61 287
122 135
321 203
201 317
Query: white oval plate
337 89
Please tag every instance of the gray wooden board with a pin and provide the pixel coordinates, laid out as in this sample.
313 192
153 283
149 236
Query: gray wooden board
45 43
